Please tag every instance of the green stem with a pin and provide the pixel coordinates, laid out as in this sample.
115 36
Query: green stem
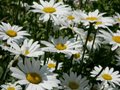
57 56
85 45
80 3
57 62
48 23
93 41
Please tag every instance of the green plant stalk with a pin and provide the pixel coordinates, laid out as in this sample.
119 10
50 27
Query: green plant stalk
93 41
57 56
80 3
85 45
7 69
48 23
57 62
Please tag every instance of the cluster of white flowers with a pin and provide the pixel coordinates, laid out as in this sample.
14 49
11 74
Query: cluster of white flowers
35 72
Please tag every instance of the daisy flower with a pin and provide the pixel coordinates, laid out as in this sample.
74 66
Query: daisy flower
103 87
11 33
5 46
77 56
73 82
117 18
29 48
118 58
96 71
82 36
104 22
91 17
70 19
10 86
34 76
111 38
51 64
50 10
97 42
107 76
61 45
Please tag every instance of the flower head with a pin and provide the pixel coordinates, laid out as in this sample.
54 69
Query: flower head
73 82
104 22
11 33
34 76
29 48
10 86
107 75
50 10
61 45
117 18
111 38
91 17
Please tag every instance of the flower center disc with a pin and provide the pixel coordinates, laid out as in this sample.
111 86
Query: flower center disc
119 19
73 85
11 33
116 39
107 77
77 55
34 78
51 65
98 23
10 88
27 52
70 17
92 18
49 9
60 46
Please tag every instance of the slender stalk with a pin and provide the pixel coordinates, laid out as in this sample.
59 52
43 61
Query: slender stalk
85 45
80 3
57 56
8 67
17 13
93 41
57 62
45 58
48 23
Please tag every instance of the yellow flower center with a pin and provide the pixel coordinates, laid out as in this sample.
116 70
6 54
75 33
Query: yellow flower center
107 76
60 46
73 85
34 78
77 55
11 33
49 9
98 23
92 18
10 88
70 17
26 52
119 19
116 39
51 65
